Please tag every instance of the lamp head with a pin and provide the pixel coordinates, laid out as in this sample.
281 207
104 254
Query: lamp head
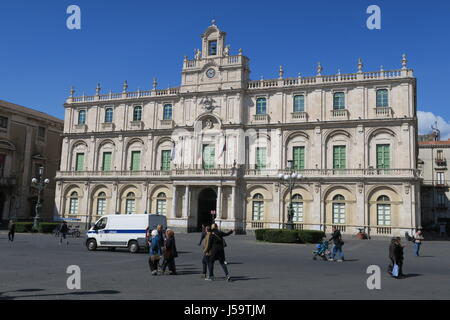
34 180
46 181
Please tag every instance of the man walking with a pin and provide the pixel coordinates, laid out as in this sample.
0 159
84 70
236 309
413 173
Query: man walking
63 230
11 230
418 238
336 237
216 251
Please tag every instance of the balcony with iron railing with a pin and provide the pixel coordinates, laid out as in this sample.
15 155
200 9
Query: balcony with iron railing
440 161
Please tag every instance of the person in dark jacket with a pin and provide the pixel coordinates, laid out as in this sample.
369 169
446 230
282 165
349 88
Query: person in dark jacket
11 230
391 254
170 253
336 237
398 257
216 251
63 230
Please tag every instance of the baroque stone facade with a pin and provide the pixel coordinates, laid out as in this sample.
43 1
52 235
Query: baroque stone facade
28 140
217 144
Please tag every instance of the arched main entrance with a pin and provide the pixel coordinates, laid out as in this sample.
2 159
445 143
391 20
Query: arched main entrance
207 202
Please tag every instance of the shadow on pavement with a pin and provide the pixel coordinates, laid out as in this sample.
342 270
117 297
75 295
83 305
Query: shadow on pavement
242 278
78 293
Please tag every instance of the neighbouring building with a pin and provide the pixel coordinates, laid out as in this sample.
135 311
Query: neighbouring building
29 139
217 144
433 161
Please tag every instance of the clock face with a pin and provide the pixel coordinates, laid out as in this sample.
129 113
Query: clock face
211 73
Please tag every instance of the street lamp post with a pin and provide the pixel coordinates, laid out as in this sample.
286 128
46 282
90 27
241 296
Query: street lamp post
290 180
40 184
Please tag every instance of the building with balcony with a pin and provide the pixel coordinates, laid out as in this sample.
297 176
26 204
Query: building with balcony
28 140
435 194
214 147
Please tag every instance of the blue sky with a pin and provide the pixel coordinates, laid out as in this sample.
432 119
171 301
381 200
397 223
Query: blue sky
136 40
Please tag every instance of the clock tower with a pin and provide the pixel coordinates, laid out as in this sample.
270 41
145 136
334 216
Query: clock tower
213 67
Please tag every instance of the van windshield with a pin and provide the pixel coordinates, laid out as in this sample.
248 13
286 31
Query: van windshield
101 224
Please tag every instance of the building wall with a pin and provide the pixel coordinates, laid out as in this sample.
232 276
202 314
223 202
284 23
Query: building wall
25 151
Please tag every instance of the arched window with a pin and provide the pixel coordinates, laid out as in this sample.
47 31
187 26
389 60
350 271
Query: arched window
258 207
108 115
261 106
161 203
82 117
339 209
384 211
130 203
339 101
297 206
382 98
101 204
299 103
137 113
167 112
73 203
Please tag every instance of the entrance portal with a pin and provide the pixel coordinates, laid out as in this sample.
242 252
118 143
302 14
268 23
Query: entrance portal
207 202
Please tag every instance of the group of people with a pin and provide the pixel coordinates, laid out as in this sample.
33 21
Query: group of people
162 244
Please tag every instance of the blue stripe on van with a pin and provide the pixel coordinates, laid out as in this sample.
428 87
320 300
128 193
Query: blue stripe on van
119 231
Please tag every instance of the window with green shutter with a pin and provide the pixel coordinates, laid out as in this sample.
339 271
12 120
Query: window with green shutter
79 166
298 158
165 160
209 155
261 156
383 156
106 165
339 157
135 160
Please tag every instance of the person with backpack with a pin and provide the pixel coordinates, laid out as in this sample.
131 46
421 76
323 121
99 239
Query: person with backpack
336 237
216 251
155 252
63 230
170 253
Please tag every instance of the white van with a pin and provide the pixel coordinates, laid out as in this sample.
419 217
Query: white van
123 231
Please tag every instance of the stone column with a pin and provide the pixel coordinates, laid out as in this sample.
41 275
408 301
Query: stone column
187 202
233 204
219 203
174 202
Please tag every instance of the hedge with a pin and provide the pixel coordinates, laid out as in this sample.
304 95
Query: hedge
310 236
289 236
22 227
47 227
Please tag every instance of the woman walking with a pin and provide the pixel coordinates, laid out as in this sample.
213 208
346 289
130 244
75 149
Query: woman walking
216 251
398 258
205 260
391 254
155 252
11 230
336 237
170 253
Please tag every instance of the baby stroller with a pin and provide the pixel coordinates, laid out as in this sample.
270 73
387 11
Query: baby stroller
322 251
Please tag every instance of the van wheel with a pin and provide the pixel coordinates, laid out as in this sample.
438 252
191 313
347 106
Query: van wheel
92 245
133 246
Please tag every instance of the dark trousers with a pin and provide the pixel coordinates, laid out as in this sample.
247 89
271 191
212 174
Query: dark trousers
11 236
211 268
205 262
169 263
400 267
153 263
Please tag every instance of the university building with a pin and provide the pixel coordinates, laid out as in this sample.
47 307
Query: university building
29 140
215 146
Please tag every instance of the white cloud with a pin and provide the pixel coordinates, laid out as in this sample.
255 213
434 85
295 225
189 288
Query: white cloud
427 119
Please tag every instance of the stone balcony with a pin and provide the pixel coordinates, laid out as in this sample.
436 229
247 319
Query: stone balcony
383 112
261 118
341 114
108 126
167 124
80 128
299 116
136 125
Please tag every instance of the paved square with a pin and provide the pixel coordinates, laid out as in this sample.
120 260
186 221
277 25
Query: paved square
34 267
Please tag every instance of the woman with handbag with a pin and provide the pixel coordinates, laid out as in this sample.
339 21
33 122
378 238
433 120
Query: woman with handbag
155 252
